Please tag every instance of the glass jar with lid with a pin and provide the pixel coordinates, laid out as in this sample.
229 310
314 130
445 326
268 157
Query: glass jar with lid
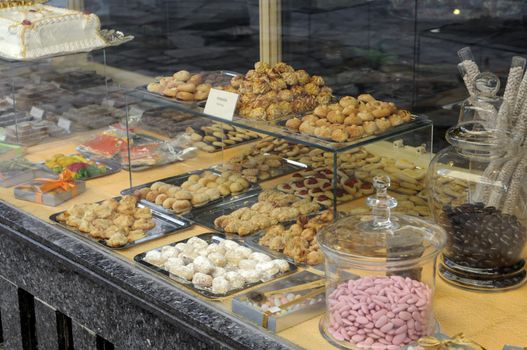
380 271
477 191
484 104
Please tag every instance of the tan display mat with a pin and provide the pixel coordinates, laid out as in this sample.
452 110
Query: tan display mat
490 319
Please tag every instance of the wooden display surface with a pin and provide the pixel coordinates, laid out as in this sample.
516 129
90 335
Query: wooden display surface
490 319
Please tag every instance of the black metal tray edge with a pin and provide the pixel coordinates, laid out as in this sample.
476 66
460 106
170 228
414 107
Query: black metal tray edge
210 237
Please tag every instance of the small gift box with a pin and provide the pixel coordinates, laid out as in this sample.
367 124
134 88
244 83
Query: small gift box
284 303
13 178
51 192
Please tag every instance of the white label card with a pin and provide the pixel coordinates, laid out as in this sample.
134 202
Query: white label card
37 113
10 100
64 123
221 104
136 112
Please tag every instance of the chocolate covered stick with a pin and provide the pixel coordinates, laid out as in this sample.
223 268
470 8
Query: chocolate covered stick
511 92
504 178
515 187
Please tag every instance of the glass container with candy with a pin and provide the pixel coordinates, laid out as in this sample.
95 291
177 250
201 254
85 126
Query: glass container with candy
477 192
380 276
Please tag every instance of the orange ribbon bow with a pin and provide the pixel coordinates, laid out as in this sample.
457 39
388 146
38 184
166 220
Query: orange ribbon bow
64 182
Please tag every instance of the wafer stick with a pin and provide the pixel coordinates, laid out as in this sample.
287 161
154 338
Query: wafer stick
511 91
515 187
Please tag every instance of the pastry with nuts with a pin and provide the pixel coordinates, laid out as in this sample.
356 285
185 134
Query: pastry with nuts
299 240
271 92
116 222
273 207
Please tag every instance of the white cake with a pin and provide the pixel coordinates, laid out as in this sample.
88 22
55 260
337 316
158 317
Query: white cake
29 32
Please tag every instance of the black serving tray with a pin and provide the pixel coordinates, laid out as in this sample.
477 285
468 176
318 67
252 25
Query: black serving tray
165 225
178 180
209 238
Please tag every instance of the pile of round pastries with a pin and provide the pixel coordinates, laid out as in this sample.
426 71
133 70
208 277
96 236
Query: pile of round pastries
349 119
196 191
183 86
115 222
278 147
299 240
273 92
272 208
255 168
214 137
216 267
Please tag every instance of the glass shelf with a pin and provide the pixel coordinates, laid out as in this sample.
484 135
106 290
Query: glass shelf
275 129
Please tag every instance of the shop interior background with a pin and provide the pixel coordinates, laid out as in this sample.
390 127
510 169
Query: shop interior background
399 50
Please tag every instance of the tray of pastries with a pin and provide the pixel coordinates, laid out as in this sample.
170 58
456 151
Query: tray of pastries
254 212
317 185
349 119
218 136
119 222
180 194
273 92
213 266
281 148
297 242
261 167
170 122
188 88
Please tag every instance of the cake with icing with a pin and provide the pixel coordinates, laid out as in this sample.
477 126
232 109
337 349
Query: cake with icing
33 31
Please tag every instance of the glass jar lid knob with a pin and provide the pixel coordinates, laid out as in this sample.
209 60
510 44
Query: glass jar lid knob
487 84
381 203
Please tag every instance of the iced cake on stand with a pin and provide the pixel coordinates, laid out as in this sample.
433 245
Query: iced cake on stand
34 31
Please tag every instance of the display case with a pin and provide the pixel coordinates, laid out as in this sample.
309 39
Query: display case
176 167
125 162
